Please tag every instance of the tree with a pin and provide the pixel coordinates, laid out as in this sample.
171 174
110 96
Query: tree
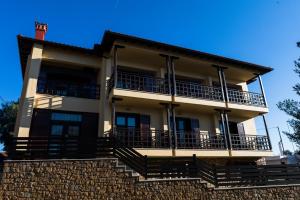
8 115
292 108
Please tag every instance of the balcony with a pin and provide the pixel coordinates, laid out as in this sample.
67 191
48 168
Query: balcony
63 88
150 84
146 138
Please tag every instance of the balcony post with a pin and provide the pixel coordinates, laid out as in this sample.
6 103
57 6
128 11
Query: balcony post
262 89
113 114
221 82
224 84
267 131
227 129
172 58
168 66
168 106
223 128
115 63
174 126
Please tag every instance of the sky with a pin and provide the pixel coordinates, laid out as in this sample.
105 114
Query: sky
264 32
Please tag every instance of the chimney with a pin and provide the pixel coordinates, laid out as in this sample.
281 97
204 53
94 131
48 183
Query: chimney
40 30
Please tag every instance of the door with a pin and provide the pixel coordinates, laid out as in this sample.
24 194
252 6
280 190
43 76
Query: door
128 128
65 133
234 132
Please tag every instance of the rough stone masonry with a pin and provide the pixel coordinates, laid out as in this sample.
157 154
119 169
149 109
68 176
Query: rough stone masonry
101 179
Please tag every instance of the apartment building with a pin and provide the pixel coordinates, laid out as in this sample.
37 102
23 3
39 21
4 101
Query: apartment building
160 99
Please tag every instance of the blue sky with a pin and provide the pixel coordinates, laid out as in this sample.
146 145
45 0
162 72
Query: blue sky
258 31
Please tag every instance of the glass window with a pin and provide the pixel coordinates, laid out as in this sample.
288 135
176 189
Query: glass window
57 130
121 121
66 117
73 131
131 122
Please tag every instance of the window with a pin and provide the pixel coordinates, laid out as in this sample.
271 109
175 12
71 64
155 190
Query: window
73 130
66 117
57 130
121 121
131 122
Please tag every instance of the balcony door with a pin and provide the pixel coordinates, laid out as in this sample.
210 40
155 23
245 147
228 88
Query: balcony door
133 129
187 130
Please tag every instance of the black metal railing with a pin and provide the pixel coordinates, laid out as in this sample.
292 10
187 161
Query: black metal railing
243 97
62 88
199 140
196 90
142 138
250 142
131 81
30 148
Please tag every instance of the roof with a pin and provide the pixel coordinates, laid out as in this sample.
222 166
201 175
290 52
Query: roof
25 45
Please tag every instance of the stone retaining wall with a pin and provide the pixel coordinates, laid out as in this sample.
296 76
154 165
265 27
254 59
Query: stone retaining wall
100 179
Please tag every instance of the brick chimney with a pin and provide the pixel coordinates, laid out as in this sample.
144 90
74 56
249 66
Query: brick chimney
40 30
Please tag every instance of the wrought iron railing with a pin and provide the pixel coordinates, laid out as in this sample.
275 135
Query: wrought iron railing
142 138
250 142
243 97
199 140
196 90
130 81
62 88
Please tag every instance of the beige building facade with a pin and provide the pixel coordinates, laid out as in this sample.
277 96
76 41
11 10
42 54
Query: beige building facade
160 99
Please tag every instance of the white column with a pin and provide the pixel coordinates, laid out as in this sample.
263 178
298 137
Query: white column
33 66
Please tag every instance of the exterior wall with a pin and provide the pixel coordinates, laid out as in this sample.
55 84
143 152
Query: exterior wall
101 179
46 101
28 92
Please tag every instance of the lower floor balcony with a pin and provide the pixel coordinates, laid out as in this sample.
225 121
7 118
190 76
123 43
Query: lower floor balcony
147 138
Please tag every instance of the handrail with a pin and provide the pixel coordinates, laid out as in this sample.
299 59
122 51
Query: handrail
245 97
62 88
197 90
250 142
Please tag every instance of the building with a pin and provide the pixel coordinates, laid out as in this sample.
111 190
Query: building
160 99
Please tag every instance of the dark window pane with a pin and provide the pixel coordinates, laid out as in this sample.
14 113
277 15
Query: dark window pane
131 122
73 131
57 130
120 121
66 117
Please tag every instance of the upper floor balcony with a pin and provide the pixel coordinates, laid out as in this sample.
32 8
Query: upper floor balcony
184 88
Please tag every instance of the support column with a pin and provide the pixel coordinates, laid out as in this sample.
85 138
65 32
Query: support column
115 63
25 112
168 67
229 145
221 82
267 131
113 117
262 89
224 130
224 84
172 58
174 127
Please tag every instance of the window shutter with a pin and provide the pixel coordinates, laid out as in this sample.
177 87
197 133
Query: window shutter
241 129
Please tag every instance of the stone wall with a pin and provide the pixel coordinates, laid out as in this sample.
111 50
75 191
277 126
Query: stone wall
101 179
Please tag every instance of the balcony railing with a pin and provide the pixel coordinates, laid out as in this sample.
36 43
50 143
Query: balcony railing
199 140
130 81
250 142
196 90
61 88
142 138
243 97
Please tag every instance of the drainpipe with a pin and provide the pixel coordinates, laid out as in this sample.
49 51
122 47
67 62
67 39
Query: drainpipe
174 127
224 84
172 58
223 128
168 66
221 82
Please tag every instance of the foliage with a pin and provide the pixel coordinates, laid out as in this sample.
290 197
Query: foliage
8 115
292 108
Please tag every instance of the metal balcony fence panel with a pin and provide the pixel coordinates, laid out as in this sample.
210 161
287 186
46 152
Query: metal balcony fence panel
196 90
199 140
243 97
142 138
142 83
250 142
61 88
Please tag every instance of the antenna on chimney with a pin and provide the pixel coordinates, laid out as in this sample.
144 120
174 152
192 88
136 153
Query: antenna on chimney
40 30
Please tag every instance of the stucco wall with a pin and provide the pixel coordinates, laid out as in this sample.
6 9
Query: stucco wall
100 179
